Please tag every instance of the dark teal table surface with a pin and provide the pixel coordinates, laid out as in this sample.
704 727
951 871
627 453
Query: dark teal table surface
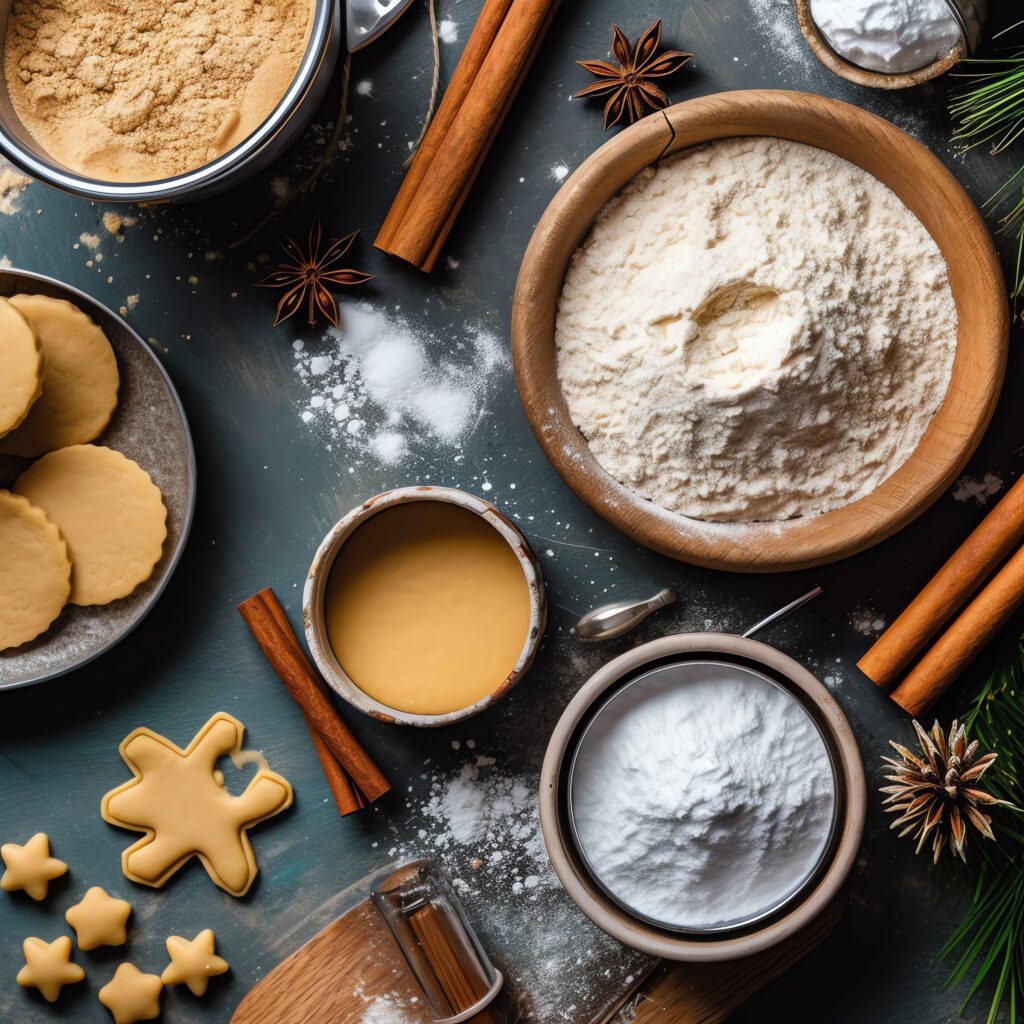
271 484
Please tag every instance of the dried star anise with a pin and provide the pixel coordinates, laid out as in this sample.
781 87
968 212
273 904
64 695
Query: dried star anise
628 87
305 274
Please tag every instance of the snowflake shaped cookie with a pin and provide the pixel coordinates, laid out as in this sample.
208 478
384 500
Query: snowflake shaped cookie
179 801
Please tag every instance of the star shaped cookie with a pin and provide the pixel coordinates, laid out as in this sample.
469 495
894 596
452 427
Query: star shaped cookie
48 966
30 867
179 801
132 996
193 962
99 919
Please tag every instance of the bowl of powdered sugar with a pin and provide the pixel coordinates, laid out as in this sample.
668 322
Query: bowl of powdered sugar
702 797
762 332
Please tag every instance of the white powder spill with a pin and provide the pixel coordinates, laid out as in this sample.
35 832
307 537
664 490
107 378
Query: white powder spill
776 20
970 488
90 240
364 88
482 825
379 383
559 172
867 622
448 31
12 184
387 1010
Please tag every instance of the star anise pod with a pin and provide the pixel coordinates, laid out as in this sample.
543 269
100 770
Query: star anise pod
307 274
629 87
937 795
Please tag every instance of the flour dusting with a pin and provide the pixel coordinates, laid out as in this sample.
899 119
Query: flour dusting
482 825
978 490
379 383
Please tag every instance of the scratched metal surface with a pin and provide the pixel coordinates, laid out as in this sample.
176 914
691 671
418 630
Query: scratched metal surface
269 490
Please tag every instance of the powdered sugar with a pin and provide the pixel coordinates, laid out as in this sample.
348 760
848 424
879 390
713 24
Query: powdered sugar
482 825
378 383
977 489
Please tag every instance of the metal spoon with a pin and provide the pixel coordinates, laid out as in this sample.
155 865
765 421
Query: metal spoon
612 620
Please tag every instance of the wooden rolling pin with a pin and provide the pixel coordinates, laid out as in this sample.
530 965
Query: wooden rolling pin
952 586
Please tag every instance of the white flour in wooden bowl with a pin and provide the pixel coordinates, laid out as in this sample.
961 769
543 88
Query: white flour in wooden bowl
755 330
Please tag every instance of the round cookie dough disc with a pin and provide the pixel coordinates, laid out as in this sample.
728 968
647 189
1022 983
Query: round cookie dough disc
21 367
110 513
35 571
79 385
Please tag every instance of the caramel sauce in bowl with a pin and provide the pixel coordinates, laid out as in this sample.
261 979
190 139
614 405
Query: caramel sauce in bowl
423 606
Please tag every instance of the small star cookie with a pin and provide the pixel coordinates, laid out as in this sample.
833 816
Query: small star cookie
178 800
30 867
193 962
132 996
99 919
48 966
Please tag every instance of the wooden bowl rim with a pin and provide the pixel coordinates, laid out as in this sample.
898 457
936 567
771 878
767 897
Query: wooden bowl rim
978 368
840 66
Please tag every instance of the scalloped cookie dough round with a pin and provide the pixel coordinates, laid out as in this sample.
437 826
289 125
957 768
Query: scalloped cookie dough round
79 385
110 513
21 367
35 571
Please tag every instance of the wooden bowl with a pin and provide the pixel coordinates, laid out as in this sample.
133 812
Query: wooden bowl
862 76
921 182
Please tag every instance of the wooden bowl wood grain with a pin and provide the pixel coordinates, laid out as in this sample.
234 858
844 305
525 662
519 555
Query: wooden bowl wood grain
921 182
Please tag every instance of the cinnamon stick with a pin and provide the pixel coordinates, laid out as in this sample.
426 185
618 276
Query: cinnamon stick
497 57
950 588
269 624
347 795
972 630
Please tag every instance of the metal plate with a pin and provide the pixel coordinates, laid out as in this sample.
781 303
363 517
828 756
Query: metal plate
148 426
593 735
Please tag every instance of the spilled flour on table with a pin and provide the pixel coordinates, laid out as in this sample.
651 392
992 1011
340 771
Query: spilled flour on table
379 382
12 184
482 824
867 622
978 490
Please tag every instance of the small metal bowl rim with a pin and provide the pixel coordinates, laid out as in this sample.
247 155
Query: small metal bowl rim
165 189
316 585
630 930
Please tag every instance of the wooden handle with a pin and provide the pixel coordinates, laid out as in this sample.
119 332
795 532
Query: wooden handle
269 624
499 53
954 650
952 585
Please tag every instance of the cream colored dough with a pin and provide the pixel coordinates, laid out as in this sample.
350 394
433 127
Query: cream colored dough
80 383
21 367
178 799
131 996
110 513
35 571
48 966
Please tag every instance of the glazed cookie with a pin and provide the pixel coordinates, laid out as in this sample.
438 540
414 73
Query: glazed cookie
131 996
48 966
21 367
79 386
178 799
108 510
99 919
30 868
35 571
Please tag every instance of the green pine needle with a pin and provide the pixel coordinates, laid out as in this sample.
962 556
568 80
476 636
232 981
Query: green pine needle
989 942
991 110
